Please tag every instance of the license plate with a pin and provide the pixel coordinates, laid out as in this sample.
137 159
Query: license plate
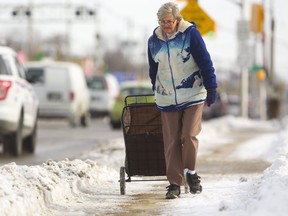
56 96
96 98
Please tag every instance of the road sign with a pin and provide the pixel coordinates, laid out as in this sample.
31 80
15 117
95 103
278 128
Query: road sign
245 54
257 18
193 12
243 30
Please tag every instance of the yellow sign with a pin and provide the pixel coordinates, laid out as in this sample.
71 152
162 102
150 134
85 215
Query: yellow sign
257 18
193 12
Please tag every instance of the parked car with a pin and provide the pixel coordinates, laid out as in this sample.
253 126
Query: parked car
103 91
234 105
218 109
18 106
128 88
62 91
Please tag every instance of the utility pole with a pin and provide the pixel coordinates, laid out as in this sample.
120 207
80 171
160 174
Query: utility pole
243 56
274 101
30 30
68 29
263 82
272 26
243 66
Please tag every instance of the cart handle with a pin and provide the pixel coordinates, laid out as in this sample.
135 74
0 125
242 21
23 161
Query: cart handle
137 98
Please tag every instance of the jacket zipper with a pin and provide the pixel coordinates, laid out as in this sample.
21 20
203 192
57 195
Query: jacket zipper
172 77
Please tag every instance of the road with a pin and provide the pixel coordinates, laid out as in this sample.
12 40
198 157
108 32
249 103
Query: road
57 141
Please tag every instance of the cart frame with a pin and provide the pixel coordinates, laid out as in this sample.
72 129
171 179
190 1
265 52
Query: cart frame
143 138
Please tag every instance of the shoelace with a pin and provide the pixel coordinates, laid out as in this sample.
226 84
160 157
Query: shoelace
171 187
195 178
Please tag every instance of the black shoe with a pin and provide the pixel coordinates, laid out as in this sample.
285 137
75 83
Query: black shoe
194 183
173 191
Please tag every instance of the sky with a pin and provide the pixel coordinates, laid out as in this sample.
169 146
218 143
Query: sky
89 185
129 20
140 19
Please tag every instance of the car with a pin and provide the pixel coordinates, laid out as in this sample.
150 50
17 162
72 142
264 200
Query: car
128 88
234 105
19 106
103 91
62 91
218 109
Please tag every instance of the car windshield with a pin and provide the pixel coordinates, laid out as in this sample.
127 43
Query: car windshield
98 83
35 75
136 91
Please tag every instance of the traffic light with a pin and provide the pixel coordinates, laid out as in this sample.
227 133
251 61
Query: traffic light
211 34
261 74
21 12
257 18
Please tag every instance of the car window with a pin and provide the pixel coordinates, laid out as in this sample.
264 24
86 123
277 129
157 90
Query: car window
35 75
20 69
97 84
136 91
3 66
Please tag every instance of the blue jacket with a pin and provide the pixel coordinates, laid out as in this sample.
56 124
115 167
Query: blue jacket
180 68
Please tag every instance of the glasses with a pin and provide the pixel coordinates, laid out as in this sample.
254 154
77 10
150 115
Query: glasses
168 22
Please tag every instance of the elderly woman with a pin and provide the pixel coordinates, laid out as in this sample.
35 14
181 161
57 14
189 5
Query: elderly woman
183 79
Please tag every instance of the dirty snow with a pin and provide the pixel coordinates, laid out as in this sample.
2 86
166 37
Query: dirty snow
89 185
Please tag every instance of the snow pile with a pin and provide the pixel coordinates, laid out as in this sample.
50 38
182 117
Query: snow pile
271 188
30 190
267 194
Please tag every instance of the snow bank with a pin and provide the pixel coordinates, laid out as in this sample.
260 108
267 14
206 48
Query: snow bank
49 183
271 188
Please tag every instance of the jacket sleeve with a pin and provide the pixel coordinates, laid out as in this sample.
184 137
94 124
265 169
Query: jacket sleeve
153 67
202 59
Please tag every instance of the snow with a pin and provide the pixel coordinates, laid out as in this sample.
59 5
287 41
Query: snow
89 185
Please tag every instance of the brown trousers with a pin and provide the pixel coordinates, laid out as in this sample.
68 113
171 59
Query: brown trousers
180 129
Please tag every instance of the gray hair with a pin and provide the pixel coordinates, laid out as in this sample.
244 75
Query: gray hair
169 8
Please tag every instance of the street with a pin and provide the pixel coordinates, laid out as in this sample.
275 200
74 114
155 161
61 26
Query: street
57 141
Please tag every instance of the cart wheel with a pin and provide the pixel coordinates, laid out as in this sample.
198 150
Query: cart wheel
186 186
122 181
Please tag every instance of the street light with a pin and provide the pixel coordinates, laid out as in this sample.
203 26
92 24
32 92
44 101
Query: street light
21 12
25 13
84 12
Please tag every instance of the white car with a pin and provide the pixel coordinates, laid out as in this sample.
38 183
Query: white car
104 89
62 91
18 106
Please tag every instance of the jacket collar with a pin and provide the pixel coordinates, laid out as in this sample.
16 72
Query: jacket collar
182 26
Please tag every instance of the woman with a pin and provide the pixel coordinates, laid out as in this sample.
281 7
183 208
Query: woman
183 78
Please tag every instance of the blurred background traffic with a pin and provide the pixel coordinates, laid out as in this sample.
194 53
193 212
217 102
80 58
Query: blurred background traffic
108 41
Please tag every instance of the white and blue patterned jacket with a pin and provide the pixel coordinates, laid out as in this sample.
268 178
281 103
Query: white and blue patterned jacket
180 68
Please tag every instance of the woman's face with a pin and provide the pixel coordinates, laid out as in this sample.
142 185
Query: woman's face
168 24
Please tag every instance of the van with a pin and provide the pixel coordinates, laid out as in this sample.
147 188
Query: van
104 89
62 91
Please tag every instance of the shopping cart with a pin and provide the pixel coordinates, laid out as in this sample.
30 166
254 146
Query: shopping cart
144 148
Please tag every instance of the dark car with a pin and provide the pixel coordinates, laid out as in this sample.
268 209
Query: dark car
218 109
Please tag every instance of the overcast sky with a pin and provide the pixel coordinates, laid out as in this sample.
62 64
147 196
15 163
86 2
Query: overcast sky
135 20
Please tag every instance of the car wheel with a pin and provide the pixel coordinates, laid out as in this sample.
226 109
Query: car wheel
29 143
85 119
13 142
115 125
